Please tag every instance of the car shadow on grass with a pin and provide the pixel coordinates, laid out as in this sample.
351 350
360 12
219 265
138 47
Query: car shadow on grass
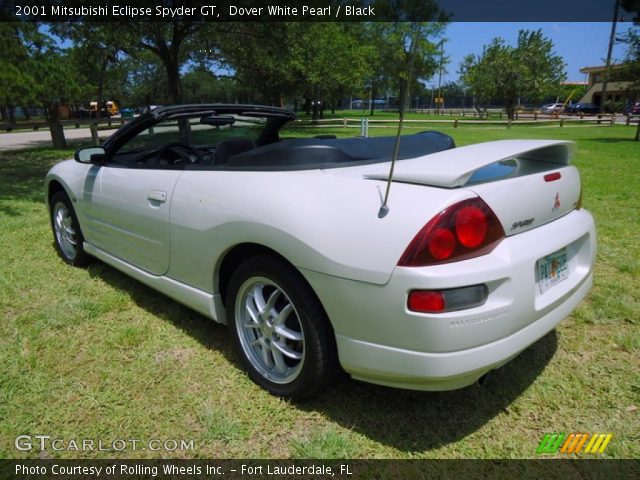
409 421
22 171
209 333
630 139
414 421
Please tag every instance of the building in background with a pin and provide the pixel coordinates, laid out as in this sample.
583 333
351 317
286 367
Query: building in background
617 91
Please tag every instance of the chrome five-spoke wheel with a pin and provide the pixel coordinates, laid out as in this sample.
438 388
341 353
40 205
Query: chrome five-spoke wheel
64 231
269 330
279 329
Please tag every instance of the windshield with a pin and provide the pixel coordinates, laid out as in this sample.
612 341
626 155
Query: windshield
196 132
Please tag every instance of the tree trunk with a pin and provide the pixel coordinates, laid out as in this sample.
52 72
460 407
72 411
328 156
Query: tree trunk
374 94
55 127
12 115
100 92
510 109
185 130
172 67
637 137
315 108
27 113
401 100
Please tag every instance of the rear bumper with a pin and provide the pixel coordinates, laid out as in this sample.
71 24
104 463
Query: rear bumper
446 371
379 340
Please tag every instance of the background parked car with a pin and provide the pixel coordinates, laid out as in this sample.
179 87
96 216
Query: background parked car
635 110
585 108
81 112
552 108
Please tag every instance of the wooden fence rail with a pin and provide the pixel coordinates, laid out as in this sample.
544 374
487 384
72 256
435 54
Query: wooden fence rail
607 120
77 123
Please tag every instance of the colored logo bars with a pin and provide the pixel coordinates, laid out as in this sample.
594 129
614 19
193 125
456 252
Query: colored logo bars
574 443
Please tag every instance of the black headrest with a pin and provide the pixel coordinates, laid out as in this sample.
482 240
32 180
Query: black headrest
231 147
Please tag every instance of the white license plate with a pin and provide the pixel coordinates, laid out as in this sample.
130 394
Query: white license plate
552 269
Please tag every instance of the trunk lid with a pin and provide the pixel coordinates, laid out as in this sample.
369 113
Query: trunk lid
527 183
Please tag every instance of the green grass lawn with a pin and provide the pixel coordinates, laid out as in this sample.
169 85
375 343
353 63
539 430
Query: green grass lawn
92 354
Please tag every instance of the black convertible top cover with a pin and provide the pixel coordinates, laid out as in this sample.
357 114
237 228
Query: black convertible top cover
308 153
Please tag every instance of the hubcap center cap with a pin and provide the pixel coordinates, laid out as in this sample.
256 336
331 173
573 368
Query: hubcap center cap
266 330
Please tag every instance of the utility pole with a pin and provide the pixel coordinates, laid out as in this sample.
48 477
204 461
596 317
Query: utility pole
603 98
439 103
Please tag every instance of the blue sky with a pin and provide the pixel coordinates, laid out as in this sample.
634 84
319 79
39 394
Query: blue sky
579 44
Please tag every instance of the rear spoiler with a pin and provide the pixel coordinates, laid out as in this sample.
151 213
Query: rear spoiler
455 167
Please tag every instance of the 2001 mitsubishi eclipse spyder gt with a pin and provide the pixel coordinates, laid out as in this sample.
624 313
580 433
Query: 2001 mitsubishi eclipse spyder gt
484 248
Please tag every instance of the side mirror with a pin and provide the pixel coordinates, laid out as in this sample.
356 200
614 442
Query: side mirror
95 155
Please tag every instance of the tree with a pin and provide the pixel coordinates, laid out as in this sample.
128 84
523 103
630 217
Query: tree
34 70
454 94
407 53
60 85
258 56
17 84
377 81
322 74
96 57
172 43
410 56
401 55
200 85
630 69
529 71
278 60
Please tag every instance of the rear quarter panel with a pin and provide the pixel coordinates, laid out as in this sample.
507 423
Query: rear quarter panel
318 221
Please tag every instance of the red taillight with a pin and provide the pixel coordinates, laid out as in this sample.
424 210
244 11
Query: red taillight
471 226
551 177
447 300
426 301
464 230
442 244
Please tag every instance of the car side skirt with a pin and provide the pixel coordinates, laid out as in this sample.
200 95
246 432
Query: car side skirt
209 305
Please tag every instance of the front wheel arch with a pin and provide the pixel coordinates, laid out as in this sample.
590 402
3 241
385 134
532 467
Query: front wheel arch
54 187
67 234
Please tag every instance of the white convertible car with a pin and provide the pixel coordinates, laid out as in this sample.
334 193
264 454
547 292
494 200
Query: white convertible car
484 248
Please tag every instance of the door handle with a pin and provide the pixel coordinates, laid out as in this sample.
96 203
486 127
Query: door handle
157 196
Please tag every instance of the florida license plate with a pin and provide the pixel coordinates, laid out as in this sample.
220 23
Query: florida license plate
552 269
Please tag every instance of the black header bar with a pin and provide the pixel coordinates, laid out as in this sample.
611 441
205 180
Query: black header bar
312 10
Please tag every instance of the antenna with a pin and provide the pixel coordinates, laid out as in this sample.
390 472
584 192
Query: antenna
384 208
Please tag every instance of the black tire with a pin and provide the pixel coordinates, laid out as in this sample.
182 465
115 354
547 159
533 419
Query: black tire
68 243
273 330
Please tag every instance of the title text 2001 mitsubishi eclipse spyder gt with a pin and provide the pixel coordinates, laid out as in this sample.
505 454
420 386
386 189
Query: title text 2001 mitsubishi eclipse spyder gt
484 248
